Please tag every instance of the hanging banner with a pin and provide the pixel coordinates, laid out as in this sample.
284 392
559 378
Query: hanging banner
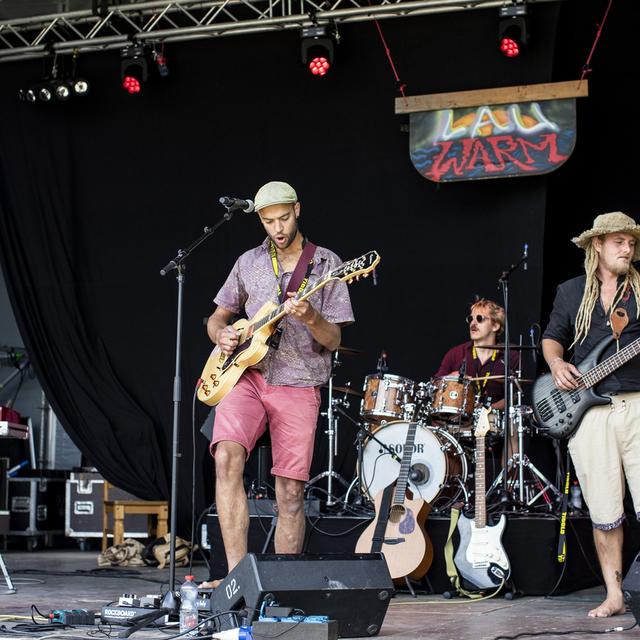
492 133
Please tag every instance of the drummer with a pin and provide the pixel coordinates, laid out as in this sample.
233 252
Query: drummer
480 357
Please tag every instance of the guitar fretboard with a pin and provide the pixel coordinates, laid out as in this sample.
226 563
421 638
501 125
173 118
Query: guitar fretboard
278 312
610 364
405 465
481 503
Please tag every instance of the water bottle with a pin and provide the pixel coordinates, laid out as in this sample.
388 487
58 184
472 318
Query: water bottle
188 605
576 495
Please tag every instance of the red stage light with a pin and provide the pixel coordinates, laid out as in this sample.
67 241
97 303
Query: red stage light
509 47
131 84
319 66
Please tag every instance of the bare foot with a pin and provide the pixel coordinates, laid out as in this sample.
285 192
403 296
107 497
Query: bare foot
211 584
612 606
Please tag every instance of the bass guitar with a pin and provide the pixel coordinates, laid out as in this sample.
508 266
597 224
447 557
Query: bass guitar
398 528
221 372
481 558
559 412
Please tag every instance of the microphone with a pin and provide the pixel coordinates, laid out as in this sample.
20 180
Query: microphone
462 371
525 255
419 473
533 344
382 362
236 203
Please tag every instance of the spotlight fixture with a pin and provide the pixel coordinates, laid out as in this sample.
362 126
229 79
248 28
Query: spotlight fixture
512 29
62 90
80 87
133 68
45 93
317 49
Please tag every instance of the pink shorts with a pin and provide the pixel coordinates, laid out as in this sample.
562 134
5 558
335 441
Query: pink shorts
292 413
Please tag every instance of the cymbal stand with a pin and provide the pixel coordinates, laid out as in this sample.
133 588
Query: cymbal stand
518 461
332 436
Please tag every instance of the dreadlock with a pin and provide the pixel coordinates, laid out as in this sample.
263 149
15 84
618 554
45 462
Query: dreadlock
592 292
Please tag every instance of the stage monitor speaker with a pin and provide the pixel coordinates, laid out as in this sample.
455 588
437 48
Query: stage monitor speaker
352 588
631 588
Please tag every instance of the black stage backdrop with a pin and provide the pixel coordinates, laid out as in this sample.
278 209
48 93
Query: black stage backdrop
97 195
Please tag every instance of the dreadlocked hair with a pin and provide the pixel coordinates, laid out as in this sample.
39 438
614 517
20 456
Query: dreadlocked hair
592 292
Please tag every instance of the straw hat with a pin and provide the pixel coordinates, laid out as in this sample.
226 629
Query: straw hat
615 222
275 193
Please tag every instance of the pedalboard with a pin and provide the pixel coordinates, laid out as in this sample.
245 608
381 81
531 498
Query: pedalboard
72 616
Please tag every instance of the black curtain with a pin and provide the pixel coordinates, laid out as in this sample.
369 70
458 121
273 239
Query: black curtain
97 194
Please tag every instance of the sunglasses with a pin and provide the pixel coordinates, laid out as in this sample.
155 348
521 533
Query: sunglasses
478 318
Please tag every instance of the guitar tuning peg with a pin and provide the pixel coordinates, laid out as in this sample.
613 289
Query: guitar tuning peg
350 281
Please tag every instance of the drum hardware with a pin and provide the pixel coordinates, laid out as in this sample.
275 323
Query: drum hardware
332 432
439 466
518 462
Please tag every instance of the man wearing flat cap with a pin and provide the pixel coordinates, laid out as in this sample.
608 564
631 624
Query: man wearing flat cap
606 446
283 389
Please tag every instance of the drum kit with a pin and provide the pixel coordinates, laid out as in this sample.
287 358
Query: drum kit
446 410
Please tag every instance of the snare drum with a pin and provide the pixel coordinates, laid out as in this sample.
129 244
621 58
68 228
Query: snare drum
438 460
385 397
466 431
453 399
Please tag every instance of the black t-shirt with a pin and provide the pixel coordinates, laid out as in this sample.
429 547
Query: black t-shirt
561 328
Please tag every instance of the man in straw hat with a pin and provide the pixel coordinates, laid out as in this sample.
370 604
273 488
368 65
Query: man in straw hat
607 442
284 388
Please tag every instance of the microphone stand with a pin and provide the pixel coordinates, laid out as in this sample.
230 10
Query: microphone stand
503 284
170 601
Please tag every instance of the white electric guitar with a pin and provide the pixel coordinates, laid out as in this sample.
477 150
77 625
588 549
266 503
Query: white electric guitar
481 558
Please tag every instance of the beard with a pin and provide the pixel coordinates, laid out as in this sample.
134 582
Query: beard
290 238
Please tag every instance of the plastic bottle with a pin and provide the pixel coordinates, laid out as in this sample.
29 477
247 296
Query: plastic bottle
576 495
188 605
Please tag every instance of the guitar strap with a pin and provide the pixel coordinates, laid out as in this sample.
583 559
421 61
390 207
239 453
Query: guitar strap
452 572
299 280
381 525
562 538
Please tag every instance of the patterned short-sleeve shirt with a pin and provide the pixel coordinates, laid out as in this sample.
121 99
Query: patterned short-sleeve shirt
299 360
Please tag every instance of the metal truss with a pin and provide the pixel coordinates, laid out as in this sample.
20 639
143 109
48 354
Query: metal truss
112 26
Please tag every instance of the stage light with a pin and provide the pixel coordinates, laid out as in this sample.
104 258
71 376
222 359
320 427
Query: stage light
62 90
317 49
80 87
44 93
133 68
512 29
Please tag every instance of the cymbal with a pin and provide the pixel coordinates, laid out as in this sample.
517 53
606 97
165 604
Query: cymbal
480 378
348 390
348 351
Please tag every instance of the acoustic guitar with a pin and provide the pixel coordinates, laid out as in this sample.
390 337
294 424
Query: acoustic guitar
398 528
221 372
481 558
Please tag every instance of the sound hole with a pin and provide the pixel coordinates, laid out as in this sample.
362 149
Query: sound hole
396 514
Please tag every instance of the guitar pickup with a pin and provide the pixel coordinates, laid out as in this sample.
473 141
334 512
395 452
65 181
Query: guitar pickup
558 401
545 410
575 396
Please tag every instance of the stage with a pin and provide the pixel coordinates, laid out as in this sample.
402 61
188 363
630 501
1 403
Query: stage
407 618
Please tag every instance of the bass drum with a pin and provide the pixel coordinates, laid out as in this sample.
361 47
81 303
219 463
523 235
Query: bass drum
438 463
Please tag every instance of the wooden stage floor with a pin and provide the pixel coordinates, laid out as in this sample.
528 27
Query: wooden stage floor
433 617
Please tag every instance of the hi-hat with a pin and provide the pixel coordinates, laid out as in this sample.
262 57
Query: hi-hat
348 351
348 390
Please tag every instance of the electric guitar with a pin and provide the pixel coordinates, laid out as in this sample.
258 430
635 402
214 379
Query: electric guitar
221 372
481 558
559 412
398 528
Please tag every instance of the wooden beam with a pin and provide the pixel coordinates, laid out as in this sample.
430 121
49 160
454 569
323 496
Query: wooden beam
502 95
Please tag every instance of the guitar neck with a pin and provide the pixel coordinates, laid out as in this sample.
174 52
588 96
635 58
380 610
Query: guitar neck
405 466
610 364
481 502
278 313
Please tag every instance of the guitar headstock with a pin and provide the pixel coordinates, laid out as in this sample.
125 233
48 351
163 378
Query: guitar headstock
354 269
482 425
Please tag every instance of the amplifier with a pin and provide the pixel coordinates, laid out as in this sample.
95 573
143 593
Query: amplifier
352 588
